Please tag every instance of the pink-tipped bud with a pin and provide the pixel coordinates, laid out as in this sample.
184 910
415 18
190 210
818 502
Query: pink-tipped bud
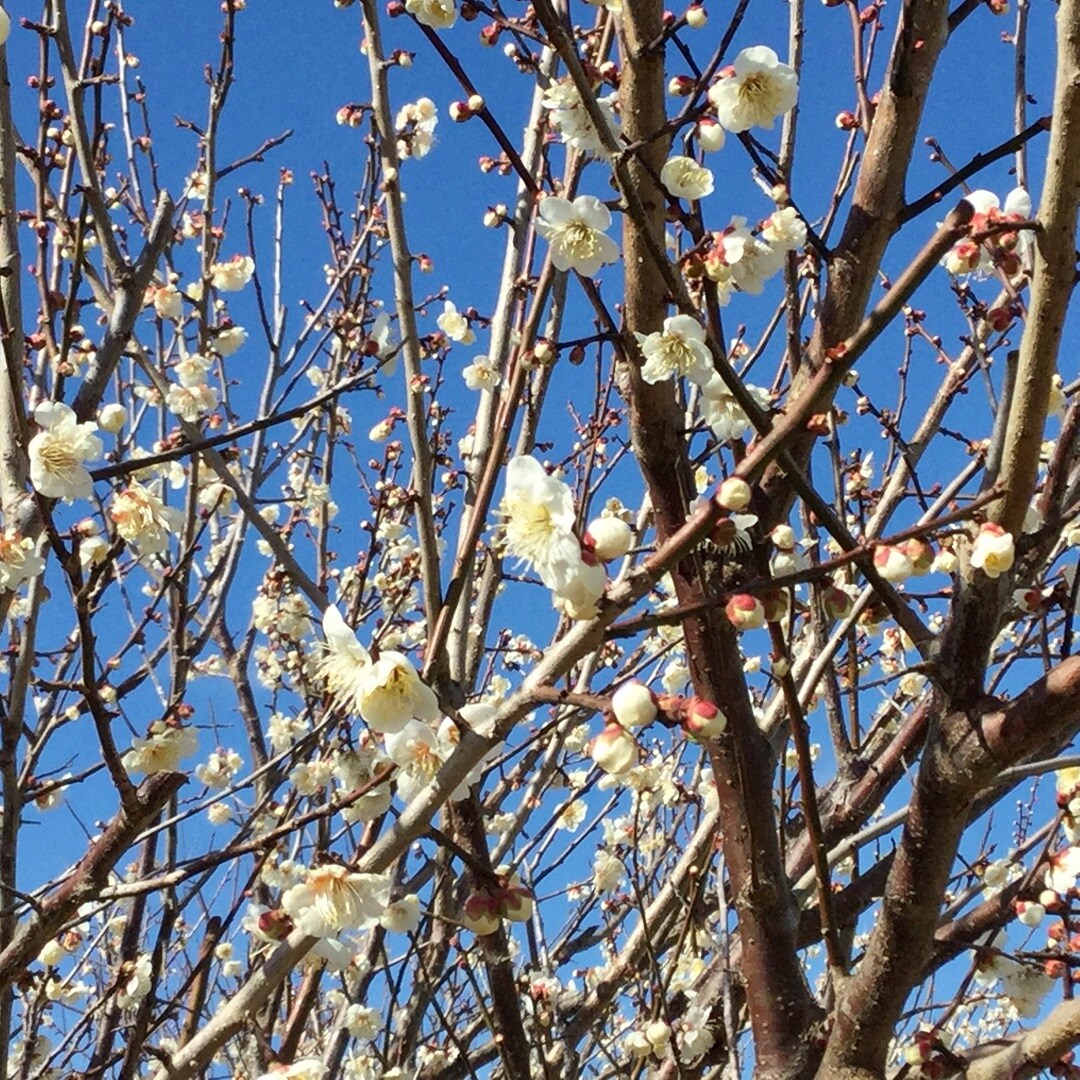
837 602
920 553
1030 914
515 902
696 16
609 538
892 563
680 86
460 111
745 612
614 750
734 494
703 720
634 705
710 135
275 925
480 913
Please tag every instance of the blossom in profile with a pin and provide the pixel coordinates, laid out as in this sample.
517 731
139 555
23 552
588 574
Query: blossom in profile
677 351
757 89
614 750
784 229
232 275
684 178
19 560
415 123
165 746
893 563
58 450
332 898
576 232
994 550
143 520
438 14
5 26
723 413
538 522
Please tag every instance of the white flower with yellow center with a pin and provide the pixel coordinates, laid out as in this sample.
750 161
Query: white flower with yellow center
190 402
143 520
684 178
759 89
392 694
538 513
723 413
575 230
571 119
162 750
333 898
58 451
344 665
233 275
19 561
438 14
678 351
454 325
784 229
481 374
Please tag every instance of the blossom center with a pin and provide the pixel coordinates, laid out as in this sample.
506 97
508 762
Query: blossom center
57 456
579 240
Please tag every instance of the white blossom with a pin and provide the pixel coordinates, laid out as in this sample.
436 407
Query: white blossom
679 351
759 89
575 230
58 450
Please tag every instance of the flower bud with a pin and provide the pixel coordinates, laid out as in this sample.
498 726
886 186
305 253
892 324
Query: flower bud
460 111
734 494
52 953
275 924
837 602
710 135
703 720
680 86
634 705
480 913
609 538
783 536
515 902
892 563
745 612
1028 913
920 553
112 418
614 750
696 16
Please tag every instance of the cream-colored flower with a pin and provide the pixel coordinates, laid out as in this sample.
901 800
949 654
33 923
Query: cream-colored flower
684 178
302 1069
228 339
454 325
993 551
233 275
571 119
166 301
190 402
481 374
58 451
575 230
162 750
19 560
538 513
759 89
143 520
678 351
332 898
784 229
219 770
392 693
438 14
415 123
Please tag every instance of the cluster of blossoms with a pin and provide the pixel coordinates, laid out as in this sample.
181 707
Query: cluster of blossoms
166 744
438 14
415 124
571 119
538 526
737 259
193 396
232 275
969 257
143 520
